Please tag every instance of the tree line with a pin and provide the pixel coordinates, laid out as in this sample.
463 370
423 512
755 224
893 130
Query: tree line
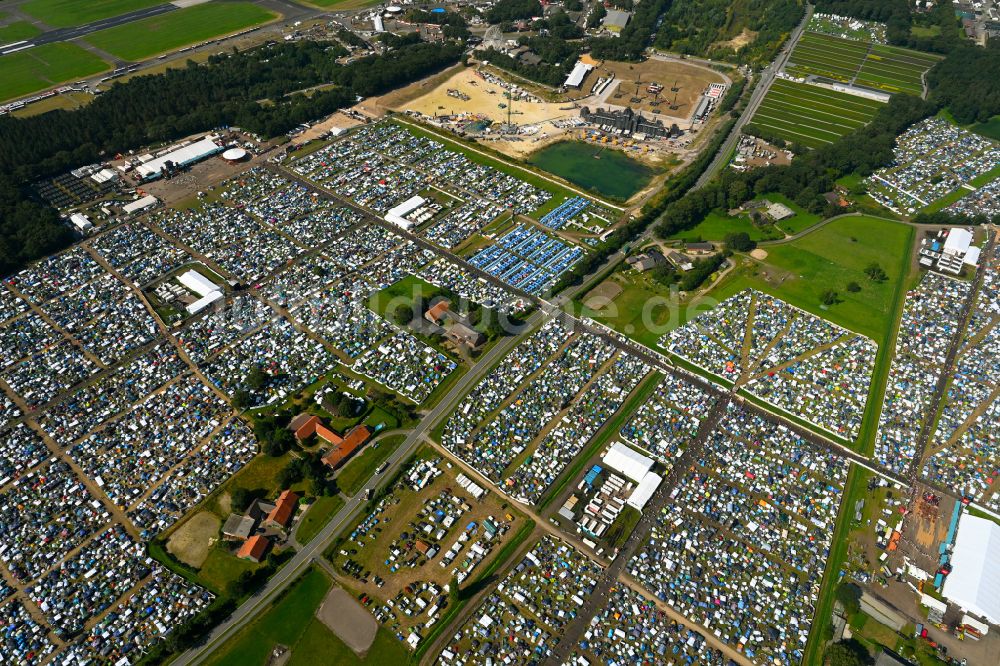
227 91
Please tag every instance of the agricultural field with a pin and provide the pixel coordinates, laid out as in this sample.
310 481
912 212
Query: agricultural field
175 29
895 69
45 66
888 68
811 115
69 13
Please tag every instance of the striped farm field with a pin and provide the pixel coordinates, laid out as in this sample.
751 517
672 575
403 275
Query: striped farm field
811 115
825 55
889 68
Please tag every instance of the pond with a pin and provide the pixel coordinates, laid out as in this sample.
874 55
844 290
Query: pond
606 172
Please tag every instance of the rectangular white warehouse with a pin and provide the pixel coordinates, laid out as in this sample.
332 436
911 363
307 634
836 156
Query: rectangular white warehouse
631 463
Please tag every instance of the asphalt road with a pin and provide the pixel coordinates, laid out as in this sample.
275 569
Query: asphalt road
314 549
767 78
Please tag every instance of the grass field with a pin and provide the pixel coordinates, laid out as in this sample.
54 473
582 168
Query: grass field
68 13
811 115
826 55
990 129
355 473
889 68
45 66
175 29
316 517
292 622
17 31
895 69
717 224
830 258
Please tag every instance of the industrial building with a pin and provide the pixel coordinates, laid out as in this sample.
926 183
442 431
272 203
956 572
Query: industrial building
974 581
628 121
579 73
178 158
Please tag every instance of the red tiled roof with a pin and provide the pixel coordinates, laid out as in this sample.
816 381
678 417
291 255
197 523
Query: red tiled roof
355 438
284 509
254 548
437 310
307 427
328 435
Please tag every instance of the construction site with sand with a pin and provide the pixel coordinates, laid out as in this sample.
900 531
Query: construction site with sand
520 118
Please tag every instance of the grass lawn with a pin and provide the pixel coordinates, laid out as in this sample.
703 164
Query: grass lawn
220 567
991 128
17 31
717 224
857 485
799 222
68 13
285 622
175 29
830 258
356 472
258 475
316 517
319 645
67 101
45 66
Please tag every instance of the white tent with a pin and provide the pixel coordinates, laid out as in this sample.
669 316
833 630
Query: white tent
974 582
397 214
644 491
958 241
197 283
629 462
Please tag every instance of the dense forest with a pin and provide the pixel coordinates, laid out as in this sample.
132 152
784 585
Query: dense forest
513 10
699 27
151 109
558 57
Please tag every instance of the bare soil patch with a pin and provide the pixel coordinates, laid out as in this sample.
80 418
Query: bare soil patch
191 542
348 620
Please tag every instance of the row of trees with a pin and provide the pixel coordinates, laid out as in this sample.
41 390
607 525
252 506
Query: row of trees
808 176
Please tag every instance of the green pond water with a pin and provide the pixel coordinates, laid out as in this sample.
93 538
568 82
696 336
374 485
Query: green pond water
611 173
